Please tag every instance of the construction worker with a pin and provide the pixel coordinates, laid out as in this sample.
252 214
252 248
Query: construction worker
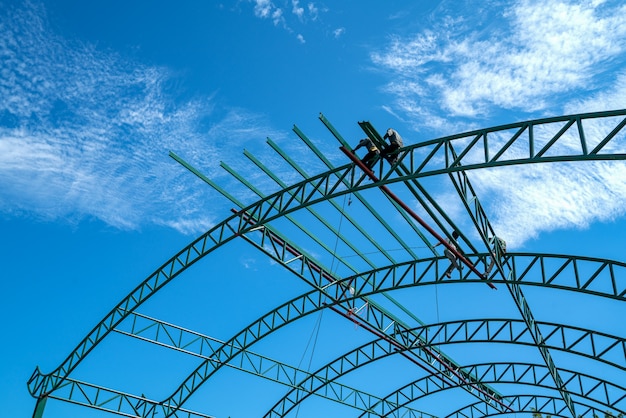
372 152
453 261
390 153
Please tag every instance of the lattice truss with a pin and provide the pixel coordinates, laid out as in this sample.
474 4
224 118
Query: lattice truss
360 319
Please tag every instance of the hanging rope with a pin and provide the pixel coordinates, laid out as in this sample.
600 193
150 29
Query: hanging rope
314 337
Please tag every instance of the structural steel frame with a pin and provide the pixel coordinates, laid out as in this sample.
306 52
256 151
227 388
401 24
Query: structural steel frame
549 140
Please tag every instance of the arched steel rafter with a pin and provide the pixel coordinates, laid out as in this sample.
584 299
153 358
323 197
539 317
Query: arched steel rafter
485 373
348 178
315 189
593 276
548 405
473 148
590 388
598 346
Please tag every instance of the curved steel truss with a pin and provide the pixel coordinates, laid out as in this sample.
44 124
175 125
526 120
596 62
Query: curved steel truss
360 269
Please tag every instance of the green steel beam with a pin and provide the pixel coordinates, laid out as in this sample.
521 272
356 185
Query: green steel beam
204 178
416 189
584 274
527 128
531 124
327 224
608 349
39 408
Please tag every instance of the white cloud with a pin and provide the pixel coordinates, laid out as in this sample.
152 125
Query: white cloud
549 49
338 32
263 8
545 197
266 9
86 134
277 17
313 11
613 97
296 9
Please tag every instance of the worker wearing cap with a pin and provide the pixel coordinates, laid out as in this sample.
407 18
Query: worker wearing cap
372 151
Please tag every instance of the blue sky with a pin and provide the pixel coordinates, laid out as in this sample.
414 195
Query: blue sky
95 95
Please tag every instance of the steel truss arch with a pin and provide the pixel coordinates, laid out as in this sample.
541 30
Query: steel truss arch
171 336
608 395
486 373
331 184
550 405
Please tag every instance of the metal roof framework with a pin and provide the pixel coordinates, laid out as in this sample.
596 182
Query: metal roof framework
361 288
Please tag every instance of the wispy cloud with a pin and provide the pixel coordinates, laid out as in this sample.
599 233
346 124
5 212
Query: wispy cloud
523 203
297 9
542 53
338 32
280 15
549 57
85 133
